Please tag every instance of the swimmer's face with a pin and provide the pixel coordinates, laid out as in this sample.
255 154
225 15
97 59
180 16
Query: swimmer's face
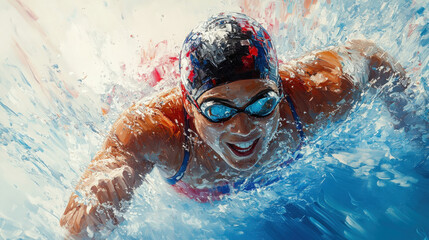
242 139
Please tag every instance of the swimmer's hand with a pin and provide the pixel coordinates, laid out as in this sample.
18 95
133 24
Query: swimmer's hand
130 152
97 211
107 185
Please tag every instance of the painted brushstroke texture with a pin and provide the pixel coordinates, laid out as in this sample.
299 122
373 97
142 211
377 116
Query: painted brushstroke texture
69 68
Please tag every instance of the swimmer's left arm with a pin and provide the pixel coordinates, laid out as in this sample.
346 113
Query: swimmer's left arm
108 183
371 65
325 84
379 71
318 87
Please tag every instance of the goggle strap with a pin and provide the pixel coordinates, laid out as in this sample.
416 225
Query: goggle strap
190 99
187 96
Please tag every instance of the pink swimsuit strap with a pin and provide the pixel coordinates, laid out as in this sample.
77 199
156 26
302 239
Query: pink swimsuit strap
201 195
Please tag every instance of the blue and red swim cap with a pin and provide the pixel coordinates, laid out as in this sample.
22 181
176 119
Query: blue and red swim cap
225 48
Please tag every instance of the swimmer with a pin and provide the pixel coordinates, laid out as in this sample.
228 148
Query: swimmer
235 107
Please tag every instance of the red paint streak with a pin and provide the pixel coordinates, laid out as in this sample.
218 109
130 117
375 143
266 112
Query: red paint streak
156 76
271 8
162 43
24 59
411 29
30 13
31 18
274 13
157 63
268 15
174 59
36 76
252 8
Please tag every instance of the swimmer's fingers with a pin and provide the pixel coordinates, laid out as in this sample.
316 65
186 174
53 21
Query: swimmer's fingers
98 211
72 215
104 210
122 189
97 217
85 223
73 220
107 214
112 194
100 191
72 204
101 216
92 220
106 194
66 217
67 220
129 177
79 218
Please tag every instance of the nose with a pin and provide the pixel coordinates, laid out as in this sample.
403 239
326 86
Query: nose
241 124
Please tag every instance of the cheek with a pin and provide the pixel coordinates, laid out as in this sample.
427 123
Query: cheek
209 132
270 124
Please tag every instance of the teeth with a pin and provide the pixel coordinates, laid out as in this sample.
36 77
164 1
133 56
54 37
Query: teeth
241 150
244 145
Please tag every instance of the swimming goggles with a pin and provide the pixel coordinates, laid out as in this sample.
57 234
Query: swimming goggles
261 105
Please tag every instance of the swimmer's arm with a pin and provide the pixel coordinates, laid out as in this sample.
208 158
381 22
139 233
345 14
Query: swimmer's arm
318 88
325 84
379 71
378 68
118 169
107 184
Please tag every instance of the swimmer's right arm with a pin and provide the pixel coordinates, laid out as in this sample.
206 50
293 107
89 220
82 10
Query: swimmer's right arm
120 167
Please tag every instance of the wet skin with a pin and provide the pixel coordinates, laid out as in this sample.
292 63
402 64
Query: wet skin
252 133
152 134
215 147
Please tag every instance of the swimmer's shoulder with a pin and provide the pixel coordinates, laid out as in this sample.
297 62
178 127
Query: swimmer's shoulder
170 104
323 83
316 72
153 129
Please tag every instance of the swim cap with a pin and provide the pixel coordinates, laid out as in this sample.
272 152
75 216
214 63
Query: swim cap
223 49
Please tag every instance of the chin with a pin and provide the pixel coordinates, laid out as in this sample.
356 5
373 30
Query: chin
242 165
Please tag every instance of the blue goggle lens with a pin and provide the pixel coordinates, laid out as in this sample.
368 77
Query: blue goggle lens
262 107
217 112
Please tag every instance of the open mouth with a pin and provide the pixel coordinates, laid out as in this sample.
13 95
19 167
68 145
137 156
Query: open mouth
243 149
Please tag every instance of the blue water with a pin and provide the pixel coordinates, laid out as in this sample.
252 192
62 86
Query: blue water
359 179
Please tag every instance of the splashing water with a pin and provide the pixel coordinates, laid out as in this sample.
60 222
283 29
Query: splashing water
66 75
